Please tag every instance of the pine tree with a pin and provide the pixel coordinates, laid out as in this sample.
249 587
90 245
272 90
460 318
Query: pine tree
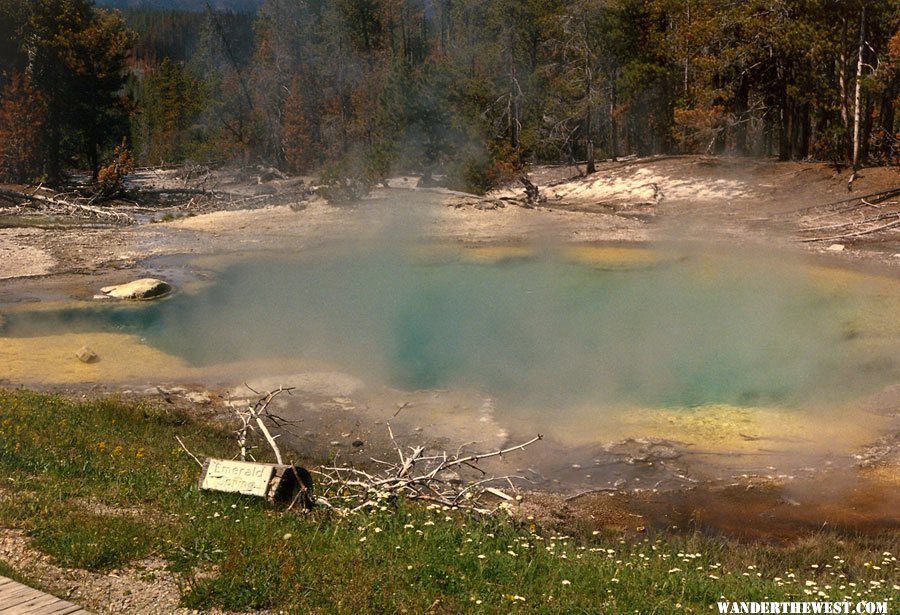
77 57
297 131
172 102
22 119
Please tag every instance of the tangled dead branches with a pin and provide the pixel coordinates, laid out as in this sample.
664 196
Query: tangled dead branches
73 204
253 419
416 476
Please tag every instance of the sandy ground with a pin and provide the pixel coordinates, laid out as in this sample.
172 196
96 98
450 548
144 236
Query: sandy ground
634 201
601 219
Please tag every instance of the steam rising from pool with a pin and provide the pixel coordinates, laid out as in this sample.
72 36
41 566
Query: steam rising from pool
542 332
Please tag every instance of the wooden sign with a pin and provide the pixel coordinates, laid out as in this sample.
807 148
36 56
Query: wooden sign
275 482
237 477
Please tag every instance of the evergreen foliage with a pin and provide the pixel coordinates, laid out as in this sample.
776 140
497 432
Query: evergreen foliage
469 89
74 58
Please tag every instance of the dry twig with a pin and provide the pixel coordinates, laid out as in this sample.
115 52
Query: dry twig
252 419
415 476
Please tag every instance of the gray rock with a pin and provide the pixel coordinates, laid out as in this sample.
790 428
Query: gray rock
198 398
86 355
145 288
452 477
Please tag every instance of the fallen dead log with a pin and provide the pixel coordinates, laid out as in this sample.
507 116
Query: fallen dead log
851 223
860 233
68 204
848 204
186 192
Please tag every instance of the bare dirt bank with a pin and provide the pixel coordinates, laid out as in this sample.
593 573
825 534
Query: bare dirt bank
627 201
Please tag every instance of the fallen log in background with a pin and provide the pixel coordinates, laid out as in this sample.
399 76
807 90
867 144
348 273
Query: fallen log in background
858 233
62 203
186 192
843 205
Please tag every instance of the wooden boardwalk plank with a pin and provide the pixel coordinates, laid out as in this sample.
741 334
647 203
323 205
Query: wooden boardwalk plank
65 608
69 609
18 599
39 605
15 595
41 601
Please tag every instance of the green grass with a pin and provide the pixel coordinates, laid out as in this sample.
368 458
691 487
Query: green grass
99 484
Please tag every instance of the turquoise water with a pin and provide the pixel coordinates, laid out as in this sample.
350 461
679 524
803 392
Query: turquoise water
541 331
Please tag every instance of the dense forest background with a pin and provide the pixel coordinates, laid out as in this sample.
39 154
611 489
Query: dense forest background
240 6
469 89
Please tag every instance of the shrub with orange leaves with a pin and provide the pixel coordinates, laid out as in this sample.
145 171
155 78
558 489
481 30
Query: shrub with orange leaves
695 130
111 178
22 119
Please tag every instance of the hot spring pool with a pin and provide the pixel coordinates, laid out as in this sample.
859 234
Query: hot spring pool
541 332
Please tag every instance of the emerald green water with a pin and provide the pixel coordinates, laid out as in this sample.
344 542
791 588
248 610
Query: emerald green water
543 331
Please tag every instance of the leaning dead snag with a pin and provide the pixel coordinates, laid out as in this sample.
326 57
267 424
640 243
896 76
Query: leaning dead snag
416 476
533 194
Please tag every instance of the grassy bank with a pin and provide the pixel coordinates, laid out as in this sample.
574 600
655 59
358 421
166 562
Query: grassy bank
100 484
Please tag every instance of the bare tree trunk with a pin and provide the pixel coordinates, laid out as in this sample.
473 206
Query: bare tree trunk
886 118
803 142
687 62
513 104
784 125
742 116
589 120
866 130
613 129
54 165
442 39
842 77
857 97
